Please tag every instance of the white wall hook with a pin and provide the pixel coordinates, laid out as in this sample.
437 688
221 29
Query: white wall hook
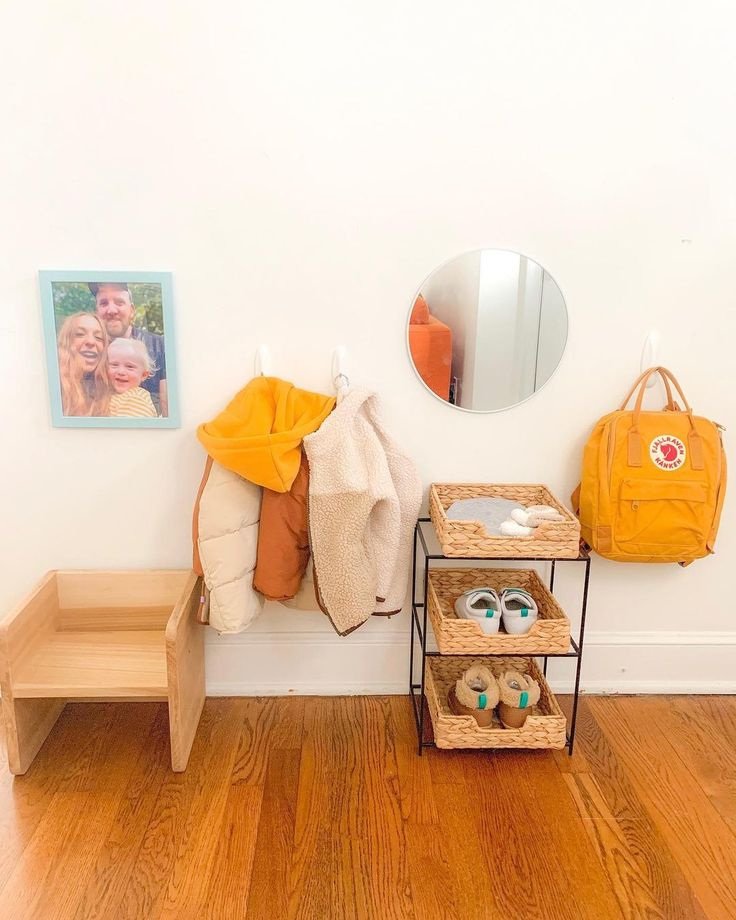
650 355
262 362
340 377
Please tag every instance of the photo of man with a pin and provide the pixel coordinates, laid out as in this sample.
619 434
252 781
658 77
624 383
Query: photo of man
115 308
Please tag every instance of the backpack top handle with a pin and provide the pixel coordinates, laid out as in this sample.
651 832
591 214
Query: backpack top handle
695 442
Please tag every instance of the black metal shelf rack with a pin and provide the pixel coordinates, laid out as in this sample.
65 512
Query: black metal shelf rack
419 706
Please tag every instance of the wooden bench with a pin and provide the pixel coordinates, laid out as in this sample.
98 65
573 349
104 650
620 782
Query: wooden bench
102 635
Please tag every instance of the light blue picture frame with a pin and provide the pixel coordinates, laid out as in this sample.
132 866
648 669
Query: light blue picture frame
46 280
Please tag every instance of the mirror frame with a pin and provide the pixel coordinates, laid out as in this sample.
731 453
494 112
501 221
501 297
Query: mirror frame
419 377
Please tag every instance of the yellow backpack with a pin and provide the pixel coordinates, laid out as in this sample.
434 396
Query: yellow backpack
653 483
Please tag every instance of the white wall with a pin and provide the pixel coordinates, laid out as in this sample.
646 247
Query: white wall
276 158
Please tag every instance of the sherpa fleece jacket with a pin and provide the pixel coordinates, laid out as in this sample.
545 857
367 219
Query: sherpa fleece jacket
255 442
364 499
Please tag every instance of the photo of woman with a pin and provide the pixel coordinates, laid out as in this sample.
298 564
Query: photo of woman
109 342
82 350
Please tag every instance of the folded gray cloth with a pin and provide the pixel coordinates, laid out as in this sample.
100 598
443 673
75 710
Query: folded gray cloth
491 512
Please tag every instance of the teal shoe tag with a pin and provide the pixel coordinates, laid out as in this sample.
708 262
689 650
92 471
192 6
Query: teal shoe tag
523 700
482 701
490 613
524 611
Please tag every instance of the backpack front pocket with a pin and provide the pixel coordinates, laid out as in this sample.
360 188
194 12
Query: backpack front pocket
654 513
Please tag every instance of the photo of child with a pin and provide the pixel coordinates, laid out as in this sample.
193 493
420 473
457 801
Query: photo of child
128 365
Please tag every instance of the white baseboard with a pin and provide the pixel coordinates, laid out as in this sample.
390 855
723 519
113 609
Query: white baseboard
682 638
644 687
311 660
305 688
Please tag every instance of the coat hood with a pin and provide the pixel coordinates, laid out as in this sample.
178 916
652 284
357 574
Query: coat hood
259 435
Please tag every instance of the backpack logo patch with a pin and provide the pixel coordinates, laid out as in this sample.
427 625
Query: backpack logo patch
667 452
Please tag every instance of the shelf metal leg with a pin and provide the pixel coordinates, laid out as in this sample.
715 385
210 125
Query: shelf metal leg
424 655
413 601
551 589
581 638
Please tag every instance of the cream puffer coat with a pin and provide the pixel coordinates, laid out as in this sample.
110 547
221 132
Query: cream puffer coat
225 546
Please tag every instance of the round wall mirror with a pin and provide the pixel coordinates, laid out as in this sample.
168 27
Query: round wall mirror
487 330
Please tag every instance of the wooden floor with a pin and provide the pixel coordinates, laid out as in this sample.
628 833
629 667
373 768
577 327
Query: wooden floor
319 808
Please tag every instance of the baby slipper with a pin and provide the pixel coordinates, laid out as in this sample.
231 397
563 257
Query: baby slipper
517 694
513 529
475 694
519 611
481 605
535 514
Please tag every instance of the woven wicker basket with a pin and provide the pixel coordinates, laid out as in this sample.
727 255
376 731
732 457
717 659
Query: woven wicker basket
552 539
544 727
550 634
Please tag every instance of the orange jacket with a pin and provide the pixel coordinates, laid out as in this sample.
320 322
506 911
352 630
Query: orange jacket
283 539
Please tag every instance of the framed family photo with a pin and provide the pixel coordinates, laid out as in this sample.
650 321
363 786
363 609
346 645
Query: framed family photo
110 349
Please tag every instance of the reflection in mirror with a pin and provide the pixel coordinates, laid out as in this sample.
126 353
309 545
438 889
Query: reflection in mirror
487 330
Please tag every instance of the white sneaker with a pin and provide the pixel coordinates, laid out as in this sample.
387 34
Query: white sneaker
483 606
518 610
